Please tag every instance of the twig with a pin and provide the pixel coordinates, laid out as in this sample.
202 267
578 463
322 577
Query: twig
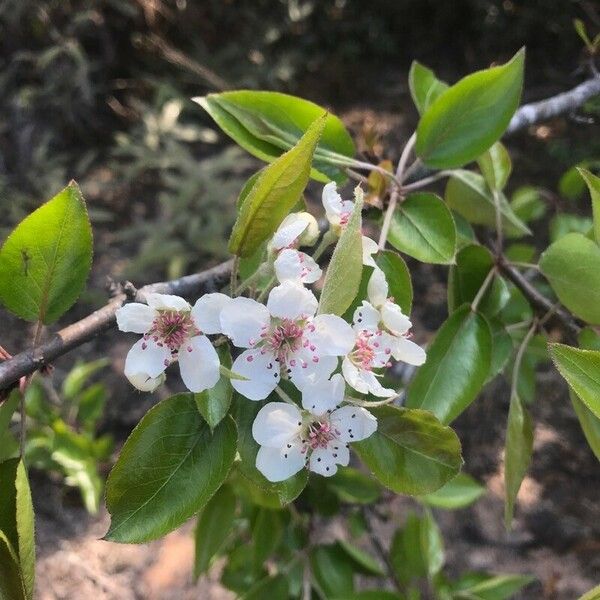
535 112
78 333
483 289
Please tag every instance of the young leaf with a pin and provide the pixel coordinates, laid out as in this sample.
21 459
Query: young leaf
581 369
590 423
518 452
460 492
268 123
490 587
470 116
342 279
572 266
457 366
17 521
274 194
213 527
154 487
495 166
432 544
468 194
424 86
214 403
11 583
398 277
593 594
411 452
423 227
593 183
45 261
465 278
363 562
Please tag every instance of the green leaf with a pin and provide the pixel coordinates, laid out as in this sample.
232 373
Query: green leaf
168 469
371 595
465 278
344 272
593 594
563 223
244 412
267 531
491 587
424 86
363 562
398 277
333 570
581 369
11 584
495 166
470 116
45 261
460 492
423 228
432 544
468 195
502 347
527 203
17 520
457 366
79 375
274 194
411 452
572 266
7 409
406 552
517 455
268 123
214 403
590 423
354 487
593 183
214 524
273 588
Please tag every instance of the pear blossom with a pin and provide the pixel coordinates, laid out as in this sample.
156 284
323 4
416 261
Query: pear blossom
293 265
338 213
283 338
172 331
317 437
297 229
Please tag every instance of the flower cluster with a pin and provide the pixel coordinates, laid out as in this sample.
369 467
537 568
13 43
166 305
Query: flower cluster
284 338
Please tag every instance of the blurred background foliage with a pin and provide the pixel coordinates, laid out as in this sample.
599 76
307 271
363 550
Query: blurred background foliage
98 90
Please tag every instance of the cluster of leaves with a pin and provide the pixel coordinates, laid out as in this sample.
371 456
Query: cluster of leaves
205 463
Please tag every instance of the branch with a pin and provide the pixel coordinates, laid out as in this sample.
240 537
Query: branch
539 301
530 114
76 334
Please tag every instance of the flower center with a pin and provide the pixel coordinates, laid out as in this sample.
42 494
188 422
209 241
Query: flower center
368 352
320 433
172 328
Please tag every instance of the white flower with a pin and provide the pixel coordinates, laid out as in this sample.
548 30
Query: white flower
369 247
172 331
317 437
297 229
293 265
382 313
283 337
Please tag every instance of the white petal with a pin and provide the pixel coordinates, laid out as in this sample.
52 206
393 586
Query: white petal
199 364
262 374
364 381
369 247
243 320
167 302
296 266
394 319
366 317
322 395
337 210
331 335
145 383
324 461
135 317
303 369
289 231
277 464
408 352
291 301
377 288
354 423
276 424
146 356
207 312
